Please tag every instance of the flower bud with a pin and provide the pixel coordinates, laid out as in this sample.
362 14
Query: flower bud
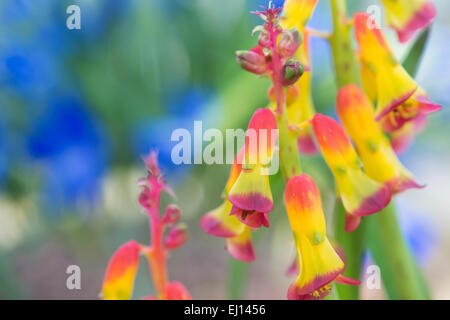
176 237
253 61
264 39
171 214
291 72
289 43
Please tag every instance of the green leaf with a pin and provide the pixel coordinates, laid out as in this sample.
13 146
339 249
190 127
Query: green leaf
412 60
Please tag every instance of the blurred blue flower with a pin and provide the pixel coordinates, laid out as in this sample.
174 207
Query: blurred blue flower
418 231
182 107
72 148
28 71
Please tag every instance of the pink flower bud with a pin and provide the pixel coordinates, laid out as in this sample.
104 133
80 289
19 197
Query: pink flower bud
264 39
289 43
291 72
176 237
253 61
171 215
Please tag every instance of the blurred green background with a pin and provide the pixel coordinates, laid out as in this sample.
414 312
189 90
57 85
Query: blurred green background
78 109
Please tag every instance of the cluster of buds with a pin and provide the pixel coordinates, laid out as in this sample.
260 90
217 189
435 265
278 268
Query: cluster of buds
360 155
123 265
274 54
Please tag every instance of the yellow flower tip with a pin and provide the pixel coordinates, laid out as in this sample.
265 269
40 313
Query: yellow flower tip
251 197
408 17
240 247
319 265
394 87
296 13
121 272
220 224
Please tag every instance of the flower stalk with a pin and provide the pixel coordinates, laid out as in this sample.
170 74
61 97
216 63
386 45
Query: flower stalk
289 153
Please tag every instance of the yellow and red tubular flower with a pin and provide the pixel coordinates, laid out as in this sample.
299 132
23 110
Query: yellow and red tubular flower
218 222
360 195
318 263
301 109
380 161
296 13
251 195
394 85
240 247
402 138
121 272
408 17
416 106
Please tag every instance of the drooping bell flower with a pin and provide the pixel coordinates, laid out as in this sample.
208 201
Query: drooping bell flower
296 13
240 247
251 195
220 223
121 272
417 106
301 108
318 263
408 17
380 161
360 195
394 85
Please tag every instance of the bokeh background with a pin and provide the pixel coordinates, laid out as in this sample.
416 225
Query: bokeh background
78 109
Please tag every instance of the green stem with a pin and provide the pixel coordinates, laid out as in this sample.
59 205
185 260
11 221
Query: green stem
399 271
341 45
353 246
289 154
346 73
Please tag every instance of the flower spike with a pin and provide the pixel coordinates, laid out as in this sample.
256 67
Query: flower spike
121 272
394 85
380 162
361 195
319 264
408 17
251 195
